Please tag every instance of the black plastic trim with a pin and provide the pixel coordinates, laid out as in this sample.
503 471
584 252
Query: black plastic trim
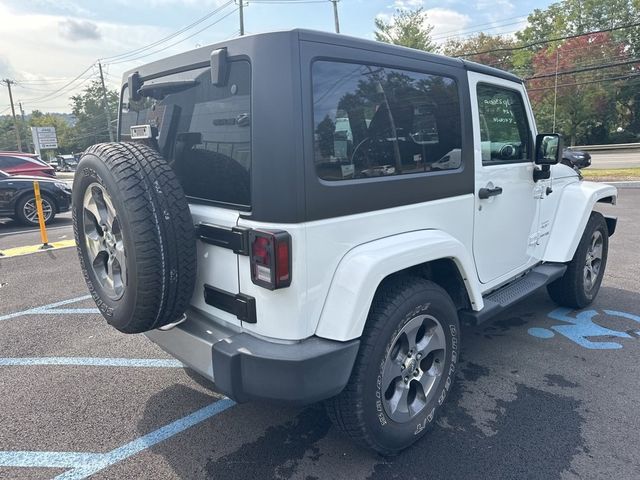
236 238
612 222
247 368
241 305
512 293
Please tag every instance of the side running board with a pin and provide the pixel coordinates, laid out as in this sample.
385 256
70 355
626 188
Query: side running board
513 292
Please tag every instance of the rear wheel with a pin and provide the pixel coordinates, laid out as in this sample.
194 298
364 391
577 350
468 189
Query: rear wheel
135 236
580 284
27 210
404 369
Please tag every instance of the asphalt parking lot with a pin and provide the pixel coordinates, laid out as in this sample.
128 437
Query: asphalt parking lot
542 392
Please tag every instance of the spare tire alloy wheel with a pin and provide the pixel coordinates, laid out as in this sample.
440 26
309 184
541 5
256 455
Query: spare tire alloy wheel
103 240
135 236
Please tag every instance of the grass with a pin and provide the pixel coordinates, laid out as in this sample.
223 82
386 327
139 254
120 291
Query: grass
611 174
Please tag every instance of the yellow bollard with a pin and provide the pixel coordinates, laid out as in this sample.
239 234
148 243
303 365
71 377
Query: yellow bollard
43 228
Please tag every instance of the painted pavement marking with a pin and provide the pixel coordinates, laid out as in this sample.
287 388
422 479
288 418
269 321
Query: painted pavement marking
28 249
93 361
51 309
578 328
83 465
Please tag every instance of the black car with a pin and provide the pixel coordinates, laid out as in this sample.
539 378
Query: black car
576 158
17 199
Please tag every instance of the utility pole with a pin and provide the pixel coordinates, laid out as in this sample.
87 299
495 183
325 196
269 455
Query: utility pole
23 123
241 11
335 14
555 90
8 83
106 105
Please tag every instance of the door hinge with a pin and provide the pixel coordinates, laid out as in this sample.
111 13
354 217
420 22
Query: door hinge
235 238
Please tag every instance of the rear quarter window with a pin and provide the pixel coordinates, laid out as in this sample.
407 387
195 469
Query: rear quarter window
374 121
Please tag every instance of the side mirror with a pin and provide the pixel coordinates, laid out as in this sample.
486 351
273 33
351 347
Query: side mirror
549 148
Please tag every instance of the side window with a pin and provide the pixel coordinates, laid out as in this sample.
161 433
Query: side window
372 121
504 130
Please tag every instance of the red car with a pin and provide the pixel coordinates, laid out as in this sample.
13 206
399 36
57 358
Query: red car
19 163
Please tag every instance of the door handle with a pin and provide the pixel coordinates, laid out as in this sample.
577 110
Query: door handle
485 193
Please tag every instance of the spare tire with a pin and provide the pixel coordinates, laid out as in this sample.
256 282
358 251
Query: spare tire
134 235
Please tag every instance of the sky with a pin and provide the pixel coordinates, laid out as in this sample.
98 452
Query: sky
46 43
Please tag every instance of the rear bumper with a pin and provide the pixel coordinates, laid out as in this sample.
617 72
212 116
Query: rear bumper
244 367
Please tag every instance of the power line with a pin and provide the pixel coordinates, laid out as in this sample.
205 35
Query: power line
169 37
543 42
585 69
601 80
175 43
64 86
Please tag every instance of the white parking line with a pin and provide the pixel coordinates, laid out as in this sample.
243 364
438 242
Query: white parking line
49 309
91 361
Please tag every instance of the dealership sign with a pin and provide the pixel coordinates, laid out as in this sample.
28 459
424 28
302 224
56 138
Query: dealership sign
44 138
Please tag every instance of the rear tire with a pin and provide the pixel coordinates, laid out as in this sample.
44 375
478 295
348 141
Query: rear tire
387 374
135 236
580 284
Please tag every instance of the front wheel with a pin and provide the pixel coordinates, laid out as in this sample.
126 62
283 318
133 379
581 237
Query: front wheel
404 369
27 210
580 284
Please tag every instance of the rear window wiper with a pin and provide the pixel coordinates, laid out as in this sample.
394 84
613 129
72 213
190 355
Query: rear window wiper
158 90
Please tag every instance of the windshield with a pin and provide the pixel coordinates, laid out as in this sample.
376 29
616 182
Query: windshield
203 130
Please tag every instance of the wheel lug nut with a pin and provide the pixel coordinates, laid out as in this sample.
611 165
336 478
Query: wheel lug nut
415 373
406 379
419 356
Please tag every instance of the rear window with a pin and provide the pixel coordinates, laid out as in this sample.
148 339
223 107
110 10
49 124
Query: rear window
10 162
374 121
204 131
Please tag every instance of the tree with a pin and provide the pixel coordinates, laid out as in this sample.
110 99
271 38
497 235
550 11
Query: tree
88 108
483 43
408 28
585 107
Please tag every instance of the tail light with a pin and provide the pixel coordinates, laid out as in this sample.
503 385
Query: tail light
270 258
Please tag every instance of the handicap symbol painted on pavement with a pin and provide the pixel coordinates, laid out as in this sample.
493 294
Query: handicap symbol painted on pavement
582 326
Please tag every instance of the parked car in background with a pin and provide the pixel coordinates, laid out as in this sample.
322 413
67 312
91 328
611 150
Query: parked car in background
19 163
17 199
576 158
66 163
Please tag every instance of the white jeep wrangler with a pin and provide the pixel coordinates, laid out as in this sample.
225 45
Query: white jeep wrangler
302 216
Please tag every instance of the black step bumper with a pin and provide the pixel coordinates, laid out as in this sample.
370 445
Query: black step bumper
245 367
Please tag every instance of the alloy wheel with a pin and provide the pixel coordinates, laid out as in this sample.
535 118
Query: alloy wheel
413 367
104 242
593 261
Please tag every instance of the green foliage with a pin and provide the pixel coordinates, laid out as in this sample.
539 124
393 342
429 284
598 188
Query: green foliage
88 108
90 123
408 28
480 43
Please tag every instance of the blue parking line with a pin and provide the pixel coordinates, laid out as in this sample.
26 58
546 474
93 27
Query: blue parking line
47 309
92 361
132 448
83 465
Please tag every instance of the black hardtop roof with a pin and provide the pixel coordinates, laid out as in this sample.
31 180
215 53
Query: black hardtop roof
196 56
